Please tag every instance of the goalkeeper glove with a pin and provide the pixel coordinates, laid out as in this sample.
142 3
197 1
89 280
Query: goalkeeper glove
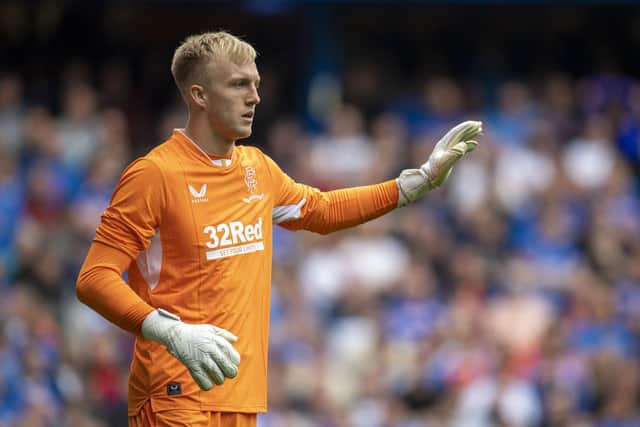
205 350
414 183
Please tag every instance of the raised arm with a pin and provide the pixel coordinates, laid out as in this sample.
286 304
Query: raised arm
303 207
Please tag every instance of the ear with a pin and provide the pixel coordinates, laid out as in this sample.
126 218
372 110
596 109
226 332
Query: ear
198 96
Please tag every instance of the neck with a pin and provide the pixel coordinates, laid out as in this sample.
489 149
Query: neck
201 133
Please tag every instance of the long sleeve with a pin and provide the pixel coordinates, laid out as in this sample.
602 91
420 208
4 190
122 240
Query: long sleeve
127 225
300 206
336 210
100 286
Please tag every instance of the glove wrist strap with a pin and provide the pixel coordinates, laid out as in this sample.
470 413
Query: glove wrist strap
165 313
158 324
412 184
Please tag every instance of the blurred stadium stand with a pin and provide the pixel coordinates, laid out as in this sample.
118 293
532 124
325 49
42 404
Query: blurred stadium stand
509 298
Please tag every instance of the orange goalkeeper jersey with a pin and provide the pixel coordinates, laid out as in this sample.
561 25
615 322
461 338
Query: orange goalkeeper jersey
199 233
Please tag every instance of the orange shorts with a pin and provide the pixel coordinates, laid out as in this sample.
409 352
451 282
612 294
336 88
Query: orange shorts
186 418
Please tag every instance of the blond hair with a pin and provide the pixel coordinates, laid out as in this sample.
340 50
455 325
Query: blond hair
198 50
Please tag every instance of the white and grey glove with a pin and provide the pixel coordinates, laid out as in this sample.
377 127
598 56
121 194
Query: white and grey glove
205 350
414 183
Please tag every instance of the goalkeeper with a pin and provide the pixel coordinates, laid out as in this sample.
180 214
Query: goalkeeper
192 223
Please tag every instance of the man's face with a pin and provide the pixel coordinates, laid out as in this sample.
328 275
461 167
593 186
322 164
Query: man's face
232 95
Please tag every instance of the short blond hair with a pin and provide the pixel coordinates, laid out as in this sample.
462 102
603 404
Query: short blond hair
196 51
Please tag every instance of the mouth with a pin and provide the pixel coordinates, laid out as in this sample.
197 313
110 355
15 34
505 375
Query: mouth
248 116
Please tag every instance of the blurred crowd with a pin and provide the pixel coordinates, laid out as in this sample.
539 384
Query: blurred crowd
508 298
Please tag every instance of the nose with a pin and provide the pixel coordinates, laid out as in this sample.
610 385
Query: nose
254 98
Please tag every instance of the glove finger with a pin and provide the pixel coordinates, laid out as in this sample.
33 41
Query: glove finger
215 351
463 131
451 156
463 148
473 130
213 370
225 334
441 169
222 355
460 128
471 145
225 342
201 378
230 351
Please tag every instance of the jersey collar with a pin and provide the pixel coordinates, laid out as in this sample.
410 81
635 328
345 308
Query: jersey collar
198 152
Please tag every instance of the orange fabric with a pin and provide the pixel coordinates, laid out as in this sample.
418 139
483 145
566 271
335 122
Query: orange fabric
340 209
187 418
334 210
100 285
144 417
198 240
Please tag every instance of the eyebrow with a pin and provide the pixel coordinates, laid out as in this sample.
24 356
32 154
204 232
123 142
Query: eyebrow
245 78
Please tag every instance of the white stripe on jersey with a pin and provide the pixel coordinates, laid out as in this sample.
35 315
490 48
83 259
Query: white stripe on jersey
287 212
150 261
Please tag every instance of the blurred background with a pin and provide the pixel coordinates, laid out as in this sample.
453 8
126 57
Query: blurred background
508 298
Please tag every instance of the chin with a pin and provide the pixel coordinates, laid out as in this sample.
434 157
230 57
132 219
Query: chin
243 133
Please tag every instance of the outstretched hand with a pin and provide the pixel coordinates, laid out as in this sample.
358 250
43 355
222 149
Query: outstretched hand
414 183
